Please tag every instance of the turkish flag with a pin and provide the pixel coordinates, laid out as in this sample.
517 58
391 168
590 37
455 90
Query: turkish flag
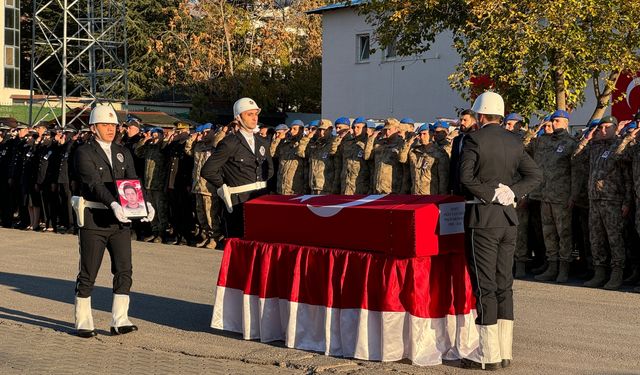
402 226
628 87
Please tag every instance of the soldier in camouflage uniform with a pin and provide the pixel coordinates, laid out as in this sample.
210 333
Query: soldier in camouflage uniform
155 178
407 133
208 208
355 175
384 148
285 147
558 189
610 197
318 147
441 136
629 152
343 129
428 164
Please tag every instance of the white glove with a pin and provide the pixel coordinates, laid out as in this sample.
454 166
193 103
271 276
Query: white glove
119 212
505 195
151 215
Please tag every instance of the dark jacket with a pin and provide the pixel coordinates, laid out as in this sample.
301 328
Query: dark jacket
233 163
491 156
98 181
455 187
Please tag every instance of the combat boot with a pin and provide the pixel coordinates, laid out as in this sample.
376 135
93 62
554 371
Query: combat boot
615 281
550 274
540 269
598 279
520 270
634 277
563 272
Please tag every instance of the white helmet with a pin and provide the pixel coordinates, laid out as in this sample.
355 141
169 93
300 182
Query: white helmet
489 103
243 105
103 114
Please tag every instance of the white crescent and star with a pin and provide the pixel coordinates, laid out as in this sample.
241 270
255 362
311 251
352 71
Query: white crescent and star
334 209
632 85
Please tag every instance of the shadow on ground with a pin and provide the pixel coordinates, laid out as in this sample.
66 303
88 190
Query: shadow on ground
179 314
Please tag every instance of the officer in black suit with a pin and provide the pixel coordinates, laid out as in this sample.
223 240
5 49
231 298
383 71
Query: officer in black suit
491 158
468 124
102 221
240 166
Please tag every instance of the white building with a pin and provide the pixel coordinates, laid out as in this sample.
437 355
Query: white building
10 51
359 82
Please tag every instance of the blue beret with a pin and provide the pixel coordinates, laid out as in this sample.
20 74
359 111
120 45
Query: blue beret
282 127
632 125
560 114
156 130
315 123
407 120
206 126
297 123
360 120
343 121
546 118
199 129
594 123
370 124
540 132
513 117
423 128
379 127
440 124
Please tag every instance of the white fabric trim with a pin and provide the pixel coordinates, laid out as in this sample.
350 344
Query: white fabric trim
356 333
505 332
120 311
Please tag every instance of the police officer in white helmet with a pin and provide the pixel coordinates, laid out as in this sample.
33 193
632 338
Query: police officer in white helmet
103 224
491 157
240 166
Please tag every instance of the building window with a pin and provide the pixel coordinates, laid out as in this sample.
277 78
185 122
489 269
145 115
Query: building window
12 44
391 52
364 47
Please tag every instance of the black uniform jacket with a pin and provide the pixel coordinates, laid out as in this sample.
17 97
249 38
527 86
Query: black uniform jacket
233 163
98 180
491 156
455 187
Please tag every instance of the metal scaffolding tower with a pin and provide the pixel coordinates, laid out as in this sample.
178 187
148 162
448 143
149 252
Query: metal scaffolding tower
79 49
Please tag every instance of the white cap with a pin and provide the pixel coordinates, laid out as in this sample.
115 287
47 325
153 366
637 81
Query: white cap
489 103
103 114
243 105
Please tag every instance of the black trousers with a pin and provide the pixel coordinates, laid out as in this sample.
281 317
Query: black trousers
92 245
233 223
490 257
66 211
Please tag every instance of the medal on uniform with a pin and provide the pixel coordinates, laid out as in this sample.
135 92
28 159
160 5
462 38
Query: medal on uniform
120 157
262 150
560 149
360 154
605 154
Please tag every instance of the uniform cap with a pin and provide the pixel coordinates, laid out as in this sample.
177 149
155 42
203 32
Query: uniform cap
206 126
103 114
282 127
513 117
423 128
440 124
379 127
407 120
156 130
546 118
3 126
243 105
69 130
181 125
489 103
315 123
360 120
609 120
343 121
594 123
297 123
370 124
391 123
560 114
325 124
21 126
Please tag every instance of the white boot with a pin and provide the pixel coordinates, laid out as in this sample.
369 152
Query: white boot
120 324
505 331
83 317
487 354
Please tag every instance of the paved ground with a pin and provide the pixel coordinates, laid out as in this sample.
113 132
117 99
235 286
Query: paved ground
559 329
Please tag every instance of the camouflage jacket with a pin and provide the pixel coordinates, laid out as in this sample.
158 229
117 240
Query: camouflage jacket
387 172
290 178
609 177
155 171
200 152
355 177
320 152
429 168
555 157
629 151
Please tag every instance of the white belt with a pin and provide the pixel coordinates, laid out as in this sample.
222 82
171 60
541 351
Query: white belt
99 205
248 187
474 201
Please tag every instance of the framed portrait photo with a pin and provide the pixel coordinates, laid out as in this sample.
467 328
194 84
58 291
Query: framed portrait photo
131 199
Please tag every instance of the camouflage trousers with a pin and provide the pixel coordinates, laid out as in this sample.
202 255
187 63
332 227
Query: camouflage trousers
208 213
606 227
158 200
557 229
522 239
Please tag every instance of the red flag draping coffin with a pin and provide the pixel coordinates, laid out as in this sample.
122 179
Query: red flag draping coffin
347 303
399 225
